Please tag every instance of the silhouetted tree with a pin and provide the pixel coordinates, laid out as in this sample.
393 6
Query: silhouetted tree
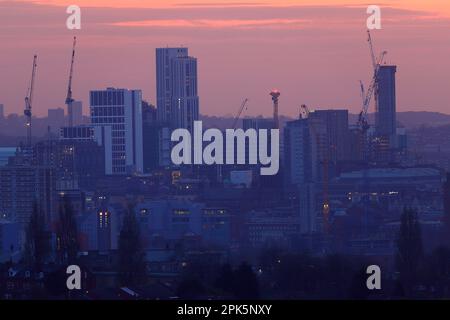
358 288
67 236
190 287
245 284
225 279
436 272
410 249
36 246
131 256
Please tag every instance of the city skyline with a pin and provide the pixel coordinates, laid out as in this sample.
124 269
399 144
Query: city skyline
308 52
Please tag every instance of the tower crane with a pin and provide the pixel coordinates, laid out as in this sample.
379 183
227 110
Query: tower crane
69 99
235 122
363 123
29 102
238 115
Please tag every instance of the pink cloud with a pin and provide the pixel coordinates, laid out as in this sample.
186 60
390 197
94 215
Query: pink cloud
217 23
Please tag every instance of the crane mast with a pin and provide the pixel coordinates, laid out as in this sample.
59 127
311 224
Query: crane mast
29 102
373 87
69 99
238 115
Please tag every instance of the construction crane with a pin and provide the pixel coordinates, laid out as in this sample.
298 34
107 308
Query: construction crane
69 99
373 87
305 114
363 123
235 122
29 102
238 115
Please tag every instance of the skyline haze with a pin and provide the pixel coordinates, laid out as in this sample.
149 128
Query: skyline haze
314 54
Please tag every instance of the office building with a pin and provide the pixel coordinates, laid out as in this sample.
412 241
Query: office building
276 227
93 146
55 118
77 113
177 87
21 186
257 123
337 133
5 154
168 221
155 139
121 109
2 112
385 115
307 208
304 151
99 230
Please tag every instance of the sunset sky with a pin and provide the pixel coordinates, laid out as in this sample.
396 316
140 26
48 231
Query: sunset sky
314 52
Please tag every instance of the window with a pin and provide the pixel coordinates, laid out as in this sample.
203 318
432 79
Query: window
181 212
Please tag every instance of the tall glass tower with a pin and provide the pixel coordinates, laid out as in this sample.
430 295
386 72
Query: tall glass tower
176 88
385 116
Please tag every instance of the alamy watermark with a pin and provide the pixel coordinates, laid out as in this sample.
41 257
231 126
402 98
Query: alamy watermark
74 20
240 146
374 20
374 280
74 279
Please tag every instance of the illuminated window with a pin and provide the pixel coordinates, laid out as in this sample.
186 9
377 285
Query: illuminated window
181 212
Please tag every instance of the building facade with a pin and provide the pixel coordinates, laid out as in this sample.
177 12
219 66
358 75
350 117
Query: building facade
177 87
121 109
336 124
385 115
304 143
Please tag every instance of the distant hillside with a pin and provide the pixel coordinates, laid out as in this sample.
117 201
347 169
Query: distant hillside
412 120
422 118
409 120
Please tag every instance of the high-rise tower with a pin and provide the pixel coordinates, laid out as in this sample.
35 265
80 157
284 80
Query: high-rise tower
176 87
385 116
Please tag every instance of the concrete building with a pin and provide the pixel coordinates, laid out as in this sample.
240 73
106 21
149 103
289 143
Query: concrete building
257 123
55 118
337 132
169 221
99 230
96 138
177 87
122 110
77 113
156 139
21 186
307 209
271 227
304 151
78 162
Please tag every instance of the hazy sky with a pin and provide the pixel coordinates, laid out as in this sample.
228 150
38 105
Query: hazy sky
314 52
